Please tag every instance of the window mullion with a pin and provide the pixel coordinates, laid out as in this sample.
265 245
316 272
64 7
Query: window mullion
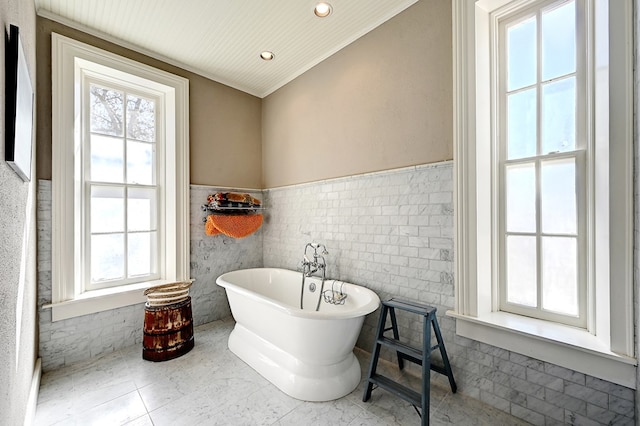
126 231
538 236
86 236
86 201
537 161
501 144
550 156
126 187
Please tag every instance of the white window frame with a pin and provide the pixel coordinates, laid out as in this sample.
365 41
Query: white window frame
579 154
82 208
606 348
71 61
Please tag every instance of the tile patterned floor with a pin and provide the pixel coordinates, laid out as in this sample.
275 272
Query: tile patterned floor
211 386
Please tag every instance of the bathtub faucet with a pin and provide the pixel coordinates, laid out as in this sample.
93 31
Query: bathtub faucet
318 263
310 267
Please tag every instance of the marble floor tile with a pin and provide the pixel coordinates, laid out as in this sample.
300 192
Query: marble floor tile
263 407
55 410
118 411
163 391
340 412
52 385
211 386
141 421
365 418
193 409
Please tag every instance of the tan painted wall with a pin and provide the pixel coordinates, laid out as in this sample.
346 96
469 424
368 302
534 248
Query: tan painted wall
383 102
18 282
225 124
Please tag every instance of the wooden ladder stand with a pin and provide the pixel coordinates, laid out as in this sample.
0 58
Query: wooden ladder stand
405 352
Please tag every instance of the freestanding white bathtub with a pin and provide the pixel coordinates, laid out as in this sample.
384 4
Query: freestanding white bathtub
307 354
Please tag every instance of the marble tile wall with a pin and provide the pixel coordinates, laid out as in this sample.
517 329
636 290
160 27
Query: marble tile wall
393 232
77 339
212 256
390 231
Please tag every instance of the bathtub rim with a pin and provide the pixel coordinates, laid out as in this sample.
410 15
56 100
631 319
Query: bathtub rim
365 309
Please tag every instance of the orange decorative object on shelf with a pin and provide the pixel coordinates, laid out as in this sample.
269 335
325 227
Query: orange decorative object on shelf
209 227
236 226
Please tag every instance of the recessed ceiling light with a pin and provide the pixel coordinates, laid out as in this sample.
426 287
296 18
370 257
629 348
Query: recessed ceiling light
322 9
267 56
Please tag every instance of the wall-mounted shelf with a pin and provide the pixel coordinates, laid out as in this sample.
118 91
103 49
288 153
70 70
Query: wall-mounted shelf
207 207
229 210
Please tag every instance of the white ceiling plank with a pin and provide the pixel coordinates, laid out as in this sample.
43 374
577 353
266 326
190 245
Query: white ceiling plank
222 39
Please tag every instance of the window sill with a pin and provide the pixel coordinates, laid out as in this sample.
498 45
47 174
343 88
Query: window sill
562 345
94 301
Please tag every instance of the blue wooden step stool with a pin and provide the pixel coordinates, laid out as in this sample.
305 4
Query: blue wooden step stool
405 352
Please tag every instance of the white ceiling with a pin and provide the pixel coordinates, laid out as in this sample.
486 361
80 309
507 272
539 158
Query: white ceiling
222 39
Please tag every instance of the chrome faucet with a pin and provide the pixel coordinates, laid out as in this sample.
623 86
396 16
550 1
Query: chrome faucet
310 267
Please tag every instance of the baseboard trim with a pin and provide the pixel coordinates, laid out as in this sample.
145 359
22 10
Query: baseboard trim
33 394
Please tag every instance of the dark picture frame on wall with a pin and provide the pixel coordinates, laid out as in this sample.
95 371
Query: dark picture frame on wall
19 107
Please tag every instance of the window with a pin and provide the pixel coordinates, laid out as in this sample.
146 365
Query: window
542 152
543 164
120 179
121 192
